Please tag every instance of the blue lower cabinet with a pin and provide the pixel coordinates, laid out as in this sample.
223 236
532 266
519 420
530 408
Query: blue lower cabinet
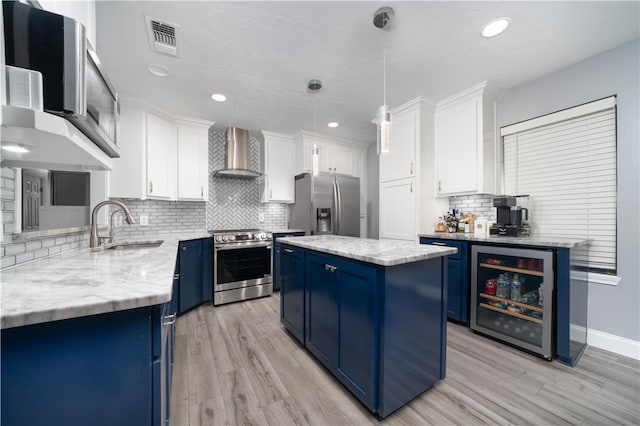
357 302
96 370
276 256
458 279
321 309
195 273
292 303
381 331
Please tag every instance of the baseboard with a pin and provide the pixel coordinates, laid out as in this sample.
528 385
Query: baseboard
612 343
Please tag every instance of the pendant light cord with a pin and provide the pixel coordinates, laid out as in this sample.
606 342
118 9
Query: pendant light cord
384 74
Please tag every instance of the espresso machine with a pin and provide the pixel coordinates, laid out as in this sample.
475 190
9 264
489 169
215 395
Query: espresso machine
512 220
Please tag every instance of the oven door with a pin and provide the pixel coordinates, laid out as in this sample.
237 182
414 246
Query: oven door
239 265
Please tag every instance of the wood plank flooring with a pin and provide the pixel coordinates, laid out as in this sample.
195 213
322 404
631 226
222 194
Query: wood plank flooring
236 365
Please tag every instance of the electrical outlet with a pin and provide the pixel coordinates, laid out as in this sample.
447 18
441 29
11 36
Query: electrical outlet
260 217
144 220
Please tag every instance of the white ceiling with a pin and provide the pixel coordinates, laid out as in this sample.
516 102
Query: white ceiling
261 54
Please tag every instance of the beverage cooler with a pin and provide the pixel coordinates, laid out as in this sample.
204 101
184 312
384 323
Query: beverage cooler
512 296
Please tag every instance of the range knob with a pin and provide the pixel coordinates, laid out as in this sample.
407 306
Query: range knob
225 238
219 238
260 236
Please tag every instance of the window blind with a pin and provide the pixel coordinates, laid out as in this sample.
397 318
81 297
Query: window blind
568 167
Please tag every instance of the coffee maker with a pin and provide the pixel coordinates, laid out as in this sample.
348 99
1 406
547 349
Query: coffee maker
512 220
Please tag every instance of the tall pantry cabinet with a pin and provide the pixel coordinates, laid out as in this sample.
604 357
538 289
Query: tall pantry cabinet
407 187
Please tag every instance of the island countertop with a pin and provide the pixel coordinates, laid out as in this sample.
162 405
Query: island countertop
379 252
81 282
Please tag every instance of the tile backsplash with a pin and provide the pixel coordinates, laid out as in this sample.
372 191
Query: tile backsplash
167 217
480 205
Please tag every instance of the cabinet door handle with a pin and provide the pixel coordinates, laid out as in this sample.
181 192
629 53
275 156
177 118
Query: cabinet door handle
439 185
169 319
411 168
150 187
184 248
331 268
271 193
288 251
438 244
176 277
411 187
202 191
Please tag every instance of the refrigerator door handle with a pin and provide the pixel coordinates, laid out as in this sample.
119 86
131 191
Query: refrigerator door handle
336 201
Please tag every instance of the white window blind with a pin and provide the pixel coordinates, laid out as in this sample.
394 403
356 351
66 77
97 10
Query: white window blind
568 167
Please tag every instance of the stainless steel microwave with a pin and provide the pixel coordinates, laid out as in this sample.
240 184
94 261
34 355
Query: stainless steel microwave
74 84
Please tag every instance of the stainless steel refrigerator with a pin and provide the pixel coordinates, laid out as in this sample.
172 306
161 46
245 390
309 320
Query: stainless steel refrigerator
326 204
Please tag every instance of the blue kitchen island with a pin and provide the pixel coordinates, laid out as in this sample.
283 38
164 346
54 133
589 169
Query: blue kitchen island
373 312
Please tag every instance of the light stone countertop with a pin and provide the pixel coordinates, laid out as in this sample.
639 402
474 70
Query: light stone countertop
282 230
80 282
379 252
534 240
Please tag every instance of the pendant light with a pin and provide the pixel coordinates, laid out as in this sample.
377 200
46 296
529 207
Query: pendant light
314 87
382 20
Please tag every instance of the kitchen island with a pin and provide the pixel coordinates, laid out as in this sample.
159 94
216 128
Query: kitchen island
373 312
87 336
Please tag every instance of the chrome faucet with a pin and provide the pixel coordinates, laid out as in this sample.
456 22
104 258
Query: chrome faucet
95 240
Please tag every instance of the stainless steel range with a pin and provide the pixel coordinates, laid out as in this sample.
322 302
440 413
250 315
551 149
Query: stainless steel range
242 262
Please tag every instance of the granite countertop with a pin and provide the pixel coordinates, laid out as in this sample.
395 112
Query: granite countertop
534 240
379 252
80 282
282 230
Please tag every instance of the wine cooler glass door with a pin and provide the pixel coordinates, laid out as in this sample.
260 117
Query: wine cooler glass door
512 294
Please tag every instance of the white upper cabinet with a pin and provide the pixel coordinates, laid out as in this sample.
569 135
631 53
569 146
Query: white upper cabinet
161 154
193 160
465 143
398 209
335 155
161 157
278 154
401 162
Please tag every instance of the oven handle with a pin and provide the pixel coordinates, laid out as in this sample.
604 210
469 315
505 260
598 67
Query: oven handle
232 246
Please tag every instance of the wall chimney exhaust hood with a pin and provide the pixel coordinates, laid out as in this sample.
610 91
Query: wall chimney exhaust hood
237 156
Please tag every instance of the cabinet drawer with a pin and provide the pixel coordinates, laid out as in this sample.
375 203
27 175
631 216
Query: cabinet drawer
446 243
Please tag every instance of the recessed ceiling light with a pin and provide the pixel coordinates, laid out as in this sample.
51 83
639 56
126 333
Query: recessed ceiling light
15 148
495 27
158 70
333 124
218 97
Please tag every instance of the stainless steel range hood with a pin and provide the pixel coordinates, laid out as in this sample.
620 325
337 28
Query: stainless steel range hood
237 156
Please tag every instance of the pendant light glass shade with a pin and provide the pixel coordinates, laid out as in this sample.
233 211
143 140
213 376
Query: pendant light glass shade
384 130
315 160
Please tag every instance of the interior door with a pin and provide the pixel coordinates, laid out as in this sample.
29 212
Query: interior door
31 196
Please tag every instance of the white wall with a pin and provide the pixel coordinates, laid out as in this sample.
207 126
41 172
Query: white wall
613 310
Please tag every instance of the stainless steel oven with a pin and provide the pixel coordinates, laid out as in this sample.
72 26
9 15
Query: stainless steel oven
241 265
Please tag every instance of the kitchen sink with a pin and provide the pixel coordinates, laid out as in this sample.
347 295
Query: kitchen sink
130 245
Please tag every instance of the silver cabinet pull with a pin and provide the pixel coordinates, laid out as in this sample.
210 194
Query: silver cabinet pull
331 268
169 319
439 185
271 193
176 277
411 187
150 187
438 244
411 168
184 248
201 190
288 250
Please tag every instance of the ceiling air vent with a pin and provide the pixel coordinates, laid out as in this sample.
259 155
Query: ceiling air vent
164 37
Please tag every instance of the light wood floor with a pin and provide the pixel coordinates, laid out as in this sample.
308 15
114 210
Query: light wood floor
235 364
